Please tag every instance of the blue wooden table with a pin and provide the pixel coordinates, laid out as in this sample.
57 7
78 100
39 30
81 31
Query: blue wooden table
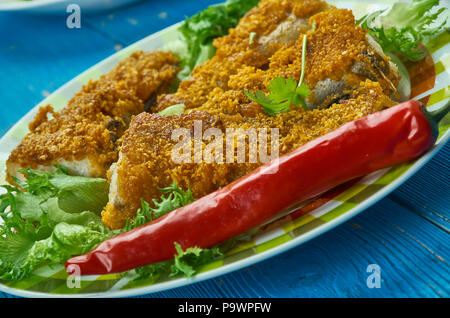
406 234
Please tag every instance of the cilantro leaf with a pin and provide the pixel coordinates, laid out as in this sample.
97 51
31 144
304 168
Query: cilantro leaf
400 28
283 92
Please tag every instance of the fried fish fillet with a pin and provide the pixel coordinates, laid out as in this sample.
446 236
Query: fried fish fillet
85 135
146 164
271 24
340 54
341 60
333 49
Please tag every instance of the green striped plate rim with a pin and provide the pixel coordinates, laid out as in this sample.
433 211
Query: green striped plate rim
288 233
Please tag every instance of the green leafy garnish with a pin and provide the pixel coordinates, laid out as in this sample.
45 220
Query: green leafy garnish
400 28
187 262
38 228
74 193
251 37
51 233
176 198
284 92
176 109
143 215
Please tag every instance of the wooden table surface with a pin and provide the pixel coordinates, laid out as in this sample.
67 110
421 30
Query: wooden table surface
406 234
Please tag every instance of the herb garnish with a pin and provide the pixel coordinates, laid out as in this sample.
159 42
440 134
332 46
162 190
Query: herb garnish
283 92
176 198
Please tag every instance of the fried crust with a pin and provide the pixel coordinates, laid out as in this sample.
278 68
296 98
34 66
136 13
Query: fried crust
333 48
235 50
94 120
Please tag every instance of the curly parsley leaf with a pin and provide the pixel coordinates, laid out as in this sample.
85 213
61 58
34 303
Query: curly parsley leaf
400 28
188 261
176 198
283 92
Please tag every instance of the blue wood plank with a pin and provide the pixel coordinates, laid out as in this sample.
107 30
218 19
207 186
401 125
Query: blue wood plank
427 193
135 22
38 54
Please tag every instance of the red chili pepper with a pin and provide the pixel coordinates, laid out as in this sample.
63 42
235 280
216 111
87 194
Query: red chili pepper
379 140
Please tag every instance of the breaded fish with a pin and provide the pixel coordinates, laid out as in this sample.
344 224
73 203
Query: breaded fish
333 49
145 163
258 35
340 54
84 136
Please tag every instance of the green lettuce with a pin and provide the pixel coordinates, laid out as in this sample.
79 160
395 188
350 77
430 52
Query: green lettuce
53 217
57 215
176 198
19 256
400 28
75 193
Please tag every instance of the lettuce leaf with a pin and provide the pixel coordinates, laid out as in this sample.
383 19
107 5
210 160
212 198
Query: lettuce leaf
176 198
19 255
400 28
55 218
47 223
75 194
57 215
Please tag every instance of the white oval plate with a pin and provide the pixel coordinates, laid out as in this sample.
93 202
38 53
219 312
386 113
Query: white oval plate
309 221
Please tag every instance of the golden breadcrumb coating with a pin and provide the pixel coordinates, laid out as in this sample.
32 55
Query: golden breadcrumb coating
333 49
235 50
94 120
337 50
145 162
